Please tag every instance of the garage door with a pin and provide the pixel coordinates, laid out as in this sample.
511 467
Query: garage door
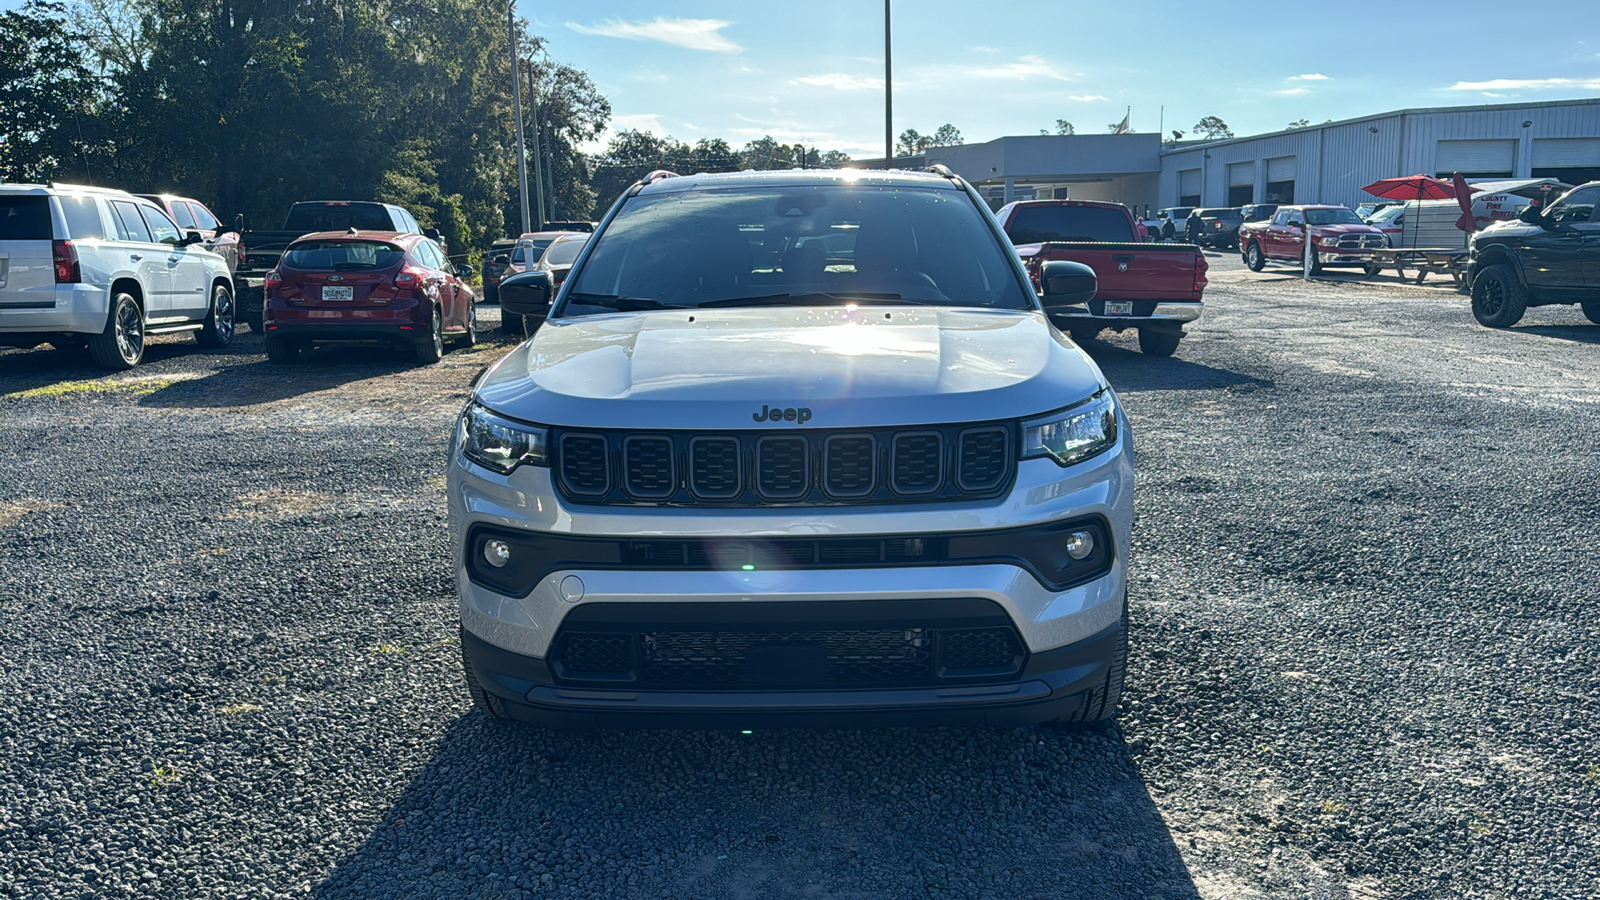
1189 181
1240 174
1476 157
1280 169
1566 153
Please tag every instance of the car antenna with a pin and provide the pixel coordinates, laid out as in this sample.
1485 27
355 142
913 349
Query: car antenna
352 230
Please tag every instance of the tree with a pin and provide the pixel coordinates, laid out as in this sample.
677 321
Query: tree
911 143
1213 128
46 93
946 136
766 153
1065 127
1299 123
835 159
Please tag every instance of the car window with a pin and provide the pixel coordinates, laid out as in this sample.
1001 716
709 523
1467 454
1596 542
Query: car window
341 256
562 253
1039 224
181 215
1576 207
203 217
83 217
25 217
1333 217
162 228
307 217
1281 218
130 226
732 246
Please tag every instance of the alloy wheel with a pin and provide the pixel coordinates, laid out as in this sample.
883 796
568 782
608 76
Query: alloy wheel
130 332
1492 298
222 313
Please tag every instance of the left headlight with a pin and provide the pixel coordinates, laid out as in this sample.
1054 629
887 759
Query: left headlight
1329 241
498 443
1074 434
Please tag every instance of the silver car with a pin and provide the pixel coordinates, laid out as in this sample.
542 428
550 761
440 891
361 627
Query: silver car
745 476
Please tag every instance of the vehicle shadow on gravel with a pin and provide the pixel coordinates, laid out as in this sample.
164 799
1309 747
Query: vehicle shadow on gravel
505 811
26 370
1130 370
1583 334
259 381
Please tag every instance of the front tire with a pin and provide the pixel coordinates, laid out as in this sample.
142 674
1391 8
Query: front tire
432 350
1498 297
121 345
486 702
1591 310
470 339
281 351
1254 258
217 332
1159 341
1101 704
1083 334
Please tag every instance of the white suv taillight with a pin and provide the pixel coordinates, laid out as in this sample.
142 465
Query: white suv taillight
66 259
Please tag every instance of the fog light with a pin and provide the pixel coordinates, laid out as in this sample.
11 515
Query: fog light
498 553
1080 544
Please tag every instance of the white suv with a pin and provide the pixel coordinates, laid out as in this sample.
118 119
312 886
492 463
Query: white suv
103 269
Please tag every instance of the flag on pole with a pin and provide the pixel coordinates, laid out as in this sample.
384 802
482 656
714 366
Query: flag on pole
1122 127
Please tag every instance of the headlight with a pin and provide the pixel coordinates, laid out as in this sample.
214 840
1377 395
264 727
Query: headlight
498 443
1329 241
1073 435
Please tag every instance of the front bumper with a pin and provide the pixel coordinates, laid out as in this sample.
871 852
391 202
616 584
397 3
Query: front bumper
1348 257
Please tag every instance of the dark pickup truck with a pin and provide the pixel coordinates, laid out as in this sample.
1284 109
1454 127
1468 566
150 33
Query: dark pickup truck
1154 288
259 251
1545 257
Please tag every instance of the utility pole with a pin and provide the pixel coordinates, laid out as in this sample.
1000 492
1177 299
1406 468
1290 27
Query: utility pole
516 96
538 170
888 91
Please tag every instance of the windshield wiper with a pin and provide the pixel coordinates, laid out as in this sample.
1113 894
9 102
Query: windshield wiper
813 298
621 304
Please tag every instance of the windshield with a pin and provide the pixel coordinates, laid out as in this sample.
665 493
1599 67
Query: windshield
341 256
532 248
1387 213
1041 224
320 217
562 253
1332 217
805 244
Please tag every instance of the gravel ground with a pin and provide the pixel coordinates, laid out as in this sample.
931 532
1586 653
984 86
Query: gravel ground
1364 653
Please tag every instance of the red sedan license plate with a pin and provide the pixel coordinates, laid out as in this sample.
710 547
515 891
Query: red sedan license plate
338 293
1119 307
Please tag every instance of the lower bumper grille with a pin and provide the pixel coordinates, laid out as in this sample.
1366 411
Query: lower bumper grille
897 656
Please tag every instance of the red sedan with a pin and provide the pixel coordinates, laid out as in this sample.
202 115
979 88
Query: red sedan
370 287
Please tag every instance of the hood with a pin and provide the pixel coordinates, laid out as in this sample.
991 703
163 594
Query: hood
1507 229
720 368
1345 229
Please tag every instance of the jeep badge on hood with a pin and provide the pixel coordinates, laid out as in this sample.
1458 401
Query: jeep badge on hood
779 414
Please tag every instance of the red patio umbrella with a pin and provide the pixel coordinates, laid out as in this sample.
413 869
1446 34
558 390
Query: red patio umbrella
1411 187
1468 222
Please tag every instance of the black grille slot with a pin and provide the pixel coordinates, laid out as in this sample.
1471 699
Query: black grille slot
851 465
714 468
783 470
918 462
648 470
980 650
589 654
584 465
985 458
787 658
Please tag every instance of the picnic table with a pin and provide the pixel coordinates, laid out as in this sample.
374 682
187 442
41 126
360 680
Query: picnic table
1440 260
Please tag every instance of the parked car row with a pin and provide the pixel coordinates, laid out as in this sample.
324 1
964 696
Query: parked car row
99 269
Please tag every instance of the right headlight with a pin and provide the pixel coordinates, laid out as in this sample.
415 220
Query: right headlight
1073 434
498 443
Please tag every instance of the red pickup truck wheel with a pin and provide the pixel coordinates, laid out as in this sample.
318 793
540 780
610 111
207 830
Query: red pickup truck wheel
1159 341
1254 258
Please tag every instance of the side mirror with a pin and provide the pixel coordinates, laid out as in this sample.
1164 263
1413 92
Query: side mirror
1531 215
431 234
1066 284
526 294
463 271
191 238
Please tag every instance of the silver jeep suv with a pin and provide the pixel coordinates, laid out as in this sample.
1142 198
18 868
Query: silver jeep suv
85 267
794 447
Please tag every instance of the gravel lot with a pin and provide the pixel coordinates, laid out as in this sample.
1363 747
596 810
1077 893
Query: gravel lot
1366 661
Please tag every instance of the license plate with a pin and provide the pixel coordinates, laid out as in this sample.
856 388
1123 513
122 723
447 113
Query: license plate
1119 307
338 293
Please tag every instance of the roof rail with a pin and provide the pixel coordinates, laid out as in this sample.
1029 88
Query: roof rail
657 175
941 169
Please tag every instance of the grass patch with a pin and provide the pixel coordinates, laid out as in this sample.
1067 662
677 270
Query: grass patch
240 709
161 775
133 386
388 649
12 513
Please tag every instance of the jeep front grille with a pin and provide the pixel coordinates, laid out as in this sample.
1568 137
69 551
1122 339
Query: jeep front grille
790 468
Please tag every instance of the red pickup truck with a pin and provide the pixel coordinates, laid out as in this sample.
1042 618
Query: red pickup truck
1155 288
1337 233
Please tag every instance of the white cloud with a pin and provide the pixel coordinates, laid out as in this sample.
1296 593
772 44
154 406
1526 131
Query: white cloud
1085 98
691 34
1291 92
1313 76
842 82
1026 67
638 122
1527 84
982 49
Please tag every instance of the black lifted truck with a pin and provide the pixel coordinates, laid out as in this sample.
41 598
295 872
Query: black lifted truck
1545 257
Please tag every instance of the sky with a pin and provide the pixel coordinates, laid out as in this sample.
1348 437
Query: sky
812 71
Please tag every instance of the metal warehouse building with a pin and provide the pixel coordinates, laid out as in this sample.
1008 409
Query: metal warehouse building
1330 163
1327 163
